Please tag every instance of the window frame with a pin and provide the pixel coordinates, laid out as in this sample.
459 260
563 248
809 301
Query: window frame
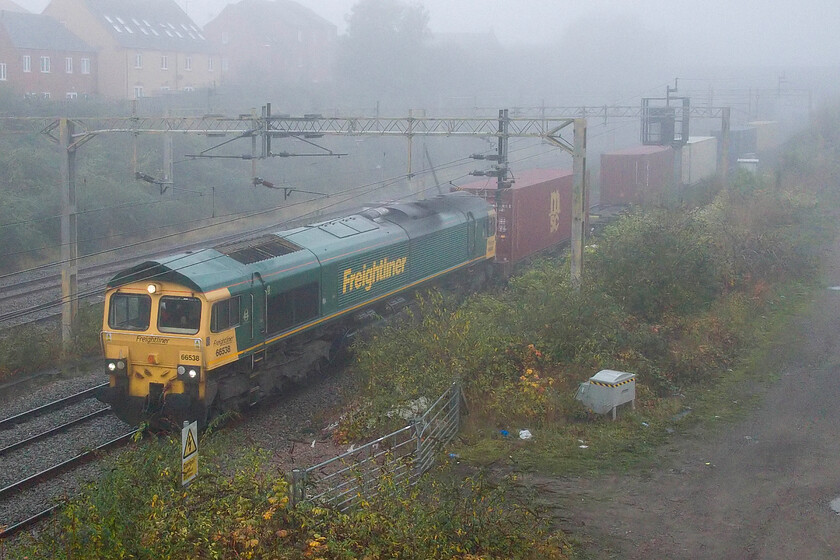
129 298
191 304
226 308
293 307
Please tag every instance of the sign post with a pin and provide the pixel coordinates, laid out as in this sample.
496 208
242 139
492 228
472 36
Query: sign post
189 452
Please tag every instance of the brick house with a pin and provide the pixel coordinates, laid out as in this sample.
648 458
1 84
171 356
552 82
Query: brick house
145 48
40 57
274 41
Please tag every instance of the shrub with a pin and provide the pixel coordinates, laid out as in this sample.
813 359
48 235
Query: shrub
760 234
440 517
28 348
238 508
652 263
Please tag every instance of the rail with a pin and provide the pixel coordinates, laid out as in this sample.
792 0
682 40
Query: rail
49 407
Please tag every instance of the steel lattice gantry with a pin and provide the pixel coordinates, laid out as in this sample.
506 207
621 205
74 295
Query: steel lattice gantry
71 133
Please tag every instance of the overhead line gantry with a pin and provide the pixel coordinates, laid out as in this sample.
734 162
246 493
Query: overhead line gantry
72 133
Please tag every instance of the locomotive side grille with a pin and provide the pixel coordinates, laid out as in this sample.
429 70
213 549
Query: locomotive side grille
439 251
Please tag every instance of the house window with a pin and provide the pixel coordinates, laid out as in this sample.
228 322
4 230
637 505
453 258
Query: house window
45 64
188 63
27 63
85 66
138 92
138 60
68 64
189 88
2 71
45 95
225 64
164 62
210 63
70 95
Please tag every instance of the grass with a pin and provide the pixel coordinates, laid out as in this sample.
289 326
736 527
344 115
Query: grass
635 439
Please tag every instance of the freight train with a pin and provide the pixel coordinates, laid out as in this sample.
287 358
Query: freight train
644 174
192 335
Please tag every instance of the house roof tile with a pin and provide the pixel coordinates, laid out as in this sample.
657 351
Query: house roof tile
264 14
150 25
36 31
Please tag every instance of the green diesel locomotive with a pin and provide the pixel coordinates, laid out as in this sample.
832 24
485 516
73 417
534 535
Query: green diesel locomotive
194 334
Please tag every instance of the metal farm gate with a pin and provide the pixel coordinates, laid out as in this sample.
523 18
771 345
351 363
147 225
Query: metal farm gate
402 455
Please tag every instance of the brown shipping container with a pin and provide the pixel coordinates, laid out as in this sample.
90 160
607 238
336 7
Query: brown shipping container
535 213
637 174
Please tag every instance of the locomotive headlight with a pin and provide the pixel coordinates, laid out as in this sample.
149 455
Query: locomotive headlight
114 365
152 288
189 372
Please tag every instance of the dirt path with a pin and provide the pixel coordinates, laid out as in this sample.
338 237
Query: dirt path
759 489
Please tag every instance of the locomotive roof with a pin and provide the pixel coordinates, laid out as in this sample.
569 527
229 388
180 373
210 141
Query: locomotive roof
303 248
201 271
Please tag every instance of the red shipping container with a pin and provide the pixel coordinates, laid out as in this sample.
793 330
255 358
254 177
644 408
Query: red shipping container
533 214
636 175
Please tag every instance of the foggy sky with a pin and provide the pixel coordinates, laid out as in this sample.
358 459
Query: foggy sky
715 32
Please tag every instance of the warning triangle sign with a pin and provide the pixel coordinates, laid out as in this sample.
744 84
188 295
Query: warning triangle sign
190 447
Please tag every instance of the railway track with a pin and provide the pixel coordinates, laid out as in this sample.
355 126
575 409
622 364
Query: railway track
49 451
35 295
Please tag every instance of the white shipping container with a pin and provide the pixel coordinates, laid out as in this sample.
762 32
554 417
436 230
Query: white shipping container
699 159
767 134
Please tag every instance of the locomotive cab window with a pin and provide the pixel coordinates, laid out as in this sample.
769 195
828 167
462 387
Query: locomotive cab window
293 307
224 315
179 315
129 312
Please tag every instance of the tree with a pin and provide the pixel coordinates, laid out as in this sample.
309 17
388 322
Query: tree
384 48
